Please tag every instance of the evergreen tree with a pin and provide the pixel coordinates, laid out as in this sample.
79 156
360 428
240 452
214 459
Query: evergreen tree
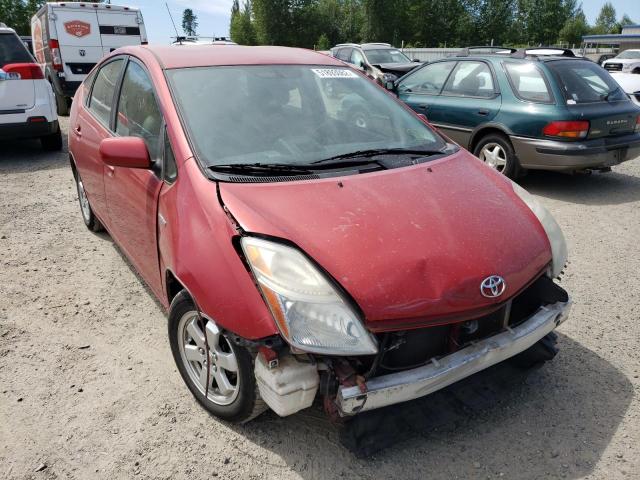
189 22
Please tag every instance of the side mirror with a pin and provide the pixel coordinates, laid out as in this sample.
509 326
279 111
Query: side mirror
129 152
417 60
391 86
423 117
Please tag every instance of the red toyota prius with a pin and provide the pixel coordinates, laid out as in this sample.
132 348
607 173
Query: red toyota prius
302 249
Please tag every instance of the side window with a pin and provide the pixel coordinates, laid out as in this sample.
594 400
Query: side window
138 112
169 171
88 82
357 58
428 80
470 79
344 54
527 82
101 100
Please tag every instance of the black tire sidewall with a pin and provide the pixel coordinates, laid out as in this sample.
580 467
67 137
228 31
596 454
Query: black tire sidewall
242 407
512 168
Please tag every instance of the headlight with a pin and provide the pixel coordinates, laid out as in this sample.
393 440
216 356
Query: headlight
311 315
389 77
551 227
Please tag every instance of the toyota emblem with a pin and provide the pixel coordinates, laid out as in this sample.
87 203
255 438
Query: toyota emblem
493 286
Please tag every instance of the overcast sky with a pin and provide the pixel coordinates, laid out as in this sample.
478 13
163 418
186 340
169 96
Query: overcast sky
213 15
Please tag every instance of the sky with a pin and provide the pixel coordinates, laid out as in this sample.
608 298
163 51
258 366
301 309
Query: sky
213 15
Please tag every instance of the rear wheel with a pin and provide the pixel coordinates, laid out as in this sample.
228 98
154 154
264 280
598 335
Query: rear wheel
52 142
90 220
496 151
62 104
217 372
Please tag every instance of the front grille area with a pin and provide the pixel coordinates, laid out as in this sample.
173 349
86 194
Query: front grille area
613 67
80 68
412 348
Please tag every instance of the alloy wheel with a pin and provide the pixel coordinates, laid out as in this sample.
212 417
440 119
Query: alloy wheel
215 375
84 201
494 155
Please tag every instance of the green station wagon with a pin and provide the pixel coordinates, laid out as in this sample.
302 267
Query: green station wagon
516 110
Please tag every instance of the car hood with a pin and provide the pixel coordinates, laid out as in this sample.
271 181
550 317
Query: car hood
624 61
410 245
397 67
630 82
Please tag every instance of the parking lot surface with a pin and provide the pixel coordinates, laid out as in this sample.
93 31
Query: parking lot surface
88 387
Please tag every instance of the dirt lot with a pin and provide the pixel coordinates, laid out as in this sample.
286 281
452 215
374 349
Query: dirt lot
88 388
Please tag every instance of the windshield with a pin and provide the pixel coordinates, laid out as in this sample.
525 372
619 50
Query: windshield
12 50
586 82
290 115
386 55
630 54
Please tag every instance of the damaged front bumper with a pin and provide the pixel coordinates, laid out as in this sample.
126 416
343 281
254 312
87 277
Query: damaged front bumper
418 382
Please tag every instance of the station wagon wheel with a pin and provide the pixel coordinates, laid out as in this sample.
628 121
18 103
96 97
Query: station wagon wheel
222 381
496 151
89 218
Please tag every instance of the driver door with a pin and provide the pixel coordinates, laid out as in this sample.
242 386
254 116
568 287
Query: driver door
132 193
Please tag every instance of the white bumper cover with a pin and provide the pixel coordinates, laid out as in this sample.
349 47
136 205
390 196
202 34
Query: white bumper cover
411 384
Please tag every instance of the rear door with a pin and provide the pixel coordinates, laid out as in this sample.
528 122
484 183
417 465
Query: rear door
16 95
469 98
78 34
591 94
117 29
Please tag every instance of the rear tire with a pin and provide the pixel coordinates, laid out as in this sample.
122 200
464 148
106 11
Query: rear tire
233 392
52 142
62 104
539 353
89 218
496 151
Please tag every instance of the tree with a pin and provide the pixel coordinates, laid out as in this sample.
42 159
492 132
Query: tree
606 21
323 43
242 29
17 14
574 28
189 22
624 21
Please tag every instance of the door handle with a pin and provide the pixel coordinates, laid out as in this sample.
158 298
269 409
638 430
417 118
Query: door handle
161 220
110 170
483 112
78 131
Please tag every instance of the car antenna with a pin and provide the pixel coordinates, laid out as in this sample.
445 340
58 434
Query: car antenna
178 37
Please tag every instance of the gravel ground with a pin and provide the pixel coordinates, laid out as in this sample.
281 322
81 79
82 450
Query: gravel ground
88 387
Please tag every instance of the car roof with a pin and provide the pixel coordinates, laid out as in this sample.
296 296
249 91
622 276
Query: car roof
203 55
528 58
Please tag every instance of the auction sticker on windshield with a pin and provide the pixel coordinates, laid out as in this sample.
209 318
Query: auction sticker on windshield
334 73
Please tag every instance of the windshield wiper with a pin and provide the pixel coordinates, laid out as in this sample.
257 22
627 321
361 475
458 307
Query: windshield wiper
605 96
282 168
376 152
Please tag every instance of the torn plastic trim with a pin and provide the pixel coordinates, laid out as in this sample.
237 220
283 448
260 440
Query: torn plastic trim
440 373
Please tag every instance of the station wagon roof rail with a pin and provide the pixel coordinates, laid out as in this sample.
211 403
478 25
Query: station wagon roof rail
465 52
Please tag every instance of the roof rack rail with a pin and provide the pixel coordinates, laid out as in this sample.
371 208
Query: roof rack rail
543 51
465 52
378 43
346 45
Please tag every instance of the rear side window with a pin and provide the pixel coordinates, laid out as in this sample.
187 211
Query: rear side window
528 82
138 112
344 54
101 100
12 50
357 58
428 80
470 79
585 82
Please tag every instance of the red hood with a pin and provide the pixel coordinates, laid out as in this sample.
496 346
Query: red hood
410 245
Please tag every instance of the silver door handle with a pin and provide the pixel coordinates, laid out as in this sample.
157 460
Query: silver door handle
161 219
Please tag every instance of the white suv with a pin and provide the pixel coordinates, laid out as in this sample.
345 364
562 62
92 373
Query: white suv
627 61
27 104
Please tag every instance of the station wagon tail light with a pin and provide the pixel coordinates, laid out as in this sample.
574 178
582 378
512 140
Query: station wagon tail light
24 71
574 129
55 54
308 310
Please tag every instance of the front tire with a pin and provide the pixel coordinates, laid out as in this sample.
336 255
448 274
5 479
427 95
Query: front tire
544 350
62 104
223 381
496 151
